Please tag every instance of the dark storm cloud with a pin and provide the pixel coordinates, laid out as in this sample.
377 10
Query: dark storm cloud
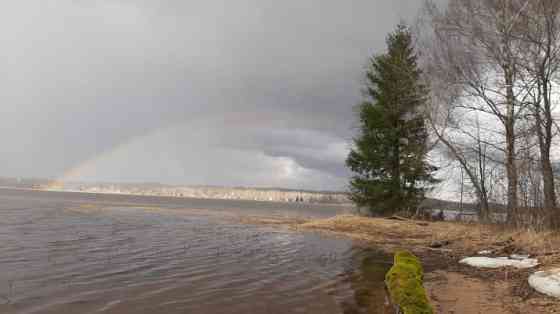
275 79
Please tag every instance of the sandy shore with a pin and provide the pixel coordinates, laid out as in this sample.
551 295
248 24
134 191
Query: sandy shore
453 288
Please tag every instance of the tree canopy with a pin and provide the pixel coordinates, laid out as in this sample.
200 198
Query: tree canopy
391 172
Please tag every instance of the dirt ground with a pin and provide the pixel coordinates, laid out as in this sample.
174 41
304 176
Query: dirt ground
452 292
453 288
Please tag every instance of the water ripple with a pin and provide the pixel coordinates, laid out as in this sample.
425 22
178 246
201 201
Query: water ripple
66 257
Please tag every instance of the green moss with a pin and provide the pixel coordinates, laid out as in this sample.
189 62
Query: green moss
404 283
407 258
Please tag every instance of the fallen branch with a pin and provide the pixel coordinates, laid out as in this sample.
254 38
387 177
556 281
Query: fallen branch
439 249
548 253
399 218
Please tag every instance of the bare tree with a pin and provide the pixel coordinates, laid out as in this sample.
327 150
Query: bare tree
539 30
469 151
475 44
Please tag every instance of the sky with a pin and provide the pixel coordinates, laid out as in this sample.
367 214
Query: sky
235 93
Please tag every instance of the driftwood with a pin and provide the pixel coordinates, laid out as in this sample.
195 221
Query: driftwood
399 218
439 249
507 242
439 244
549 253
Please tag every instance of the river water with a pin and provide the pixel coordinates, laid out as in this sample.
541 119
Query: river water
85 253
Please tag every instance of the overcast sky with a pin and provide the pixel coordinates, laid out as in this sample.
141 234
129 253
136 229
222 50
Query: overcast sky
247 92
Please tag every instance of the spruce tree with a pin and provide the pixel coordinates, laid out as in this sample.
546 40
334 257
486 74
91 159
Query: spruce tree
389 154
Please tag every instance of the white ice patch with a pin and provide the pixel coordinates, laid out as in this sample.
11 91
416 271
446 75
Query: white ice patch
498 262
546 282
519 257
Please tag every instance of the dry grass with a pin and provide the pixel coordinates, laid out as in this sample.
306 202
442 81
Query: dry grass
407 233
544 245
464 238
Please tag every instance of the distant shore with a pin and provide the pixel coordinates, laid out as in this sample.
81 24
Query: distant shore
220 193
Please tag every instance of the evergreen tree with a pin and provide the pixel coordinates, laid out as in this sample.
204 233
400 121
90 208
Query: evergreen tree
389 155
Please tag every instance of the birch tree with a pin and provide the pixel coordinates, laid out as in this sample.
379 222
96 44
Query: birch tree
477 47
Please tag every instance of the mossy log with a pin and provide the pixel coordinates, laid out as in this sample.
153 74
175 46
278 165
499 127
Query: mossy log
404 285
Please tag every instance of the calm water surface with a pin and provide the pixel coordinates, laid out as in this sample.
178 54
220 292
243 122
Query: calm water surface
83 253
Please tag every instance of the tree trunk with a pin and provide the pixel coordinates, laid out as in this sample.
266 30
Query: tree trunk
484 214
511 167
546 165
396 172
545 144
543 124
548 184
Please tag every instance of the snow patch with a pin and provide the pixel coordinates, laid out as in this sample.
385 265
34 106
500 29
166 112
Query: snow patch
519 257
498 262
546 282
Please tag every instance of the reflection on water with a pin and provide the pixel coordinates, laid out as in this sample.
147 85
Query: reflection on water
367 282
98 256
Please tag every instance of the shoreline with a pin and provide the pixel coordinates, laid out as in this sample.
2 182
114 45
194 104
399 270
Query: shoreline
174 196
452 287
